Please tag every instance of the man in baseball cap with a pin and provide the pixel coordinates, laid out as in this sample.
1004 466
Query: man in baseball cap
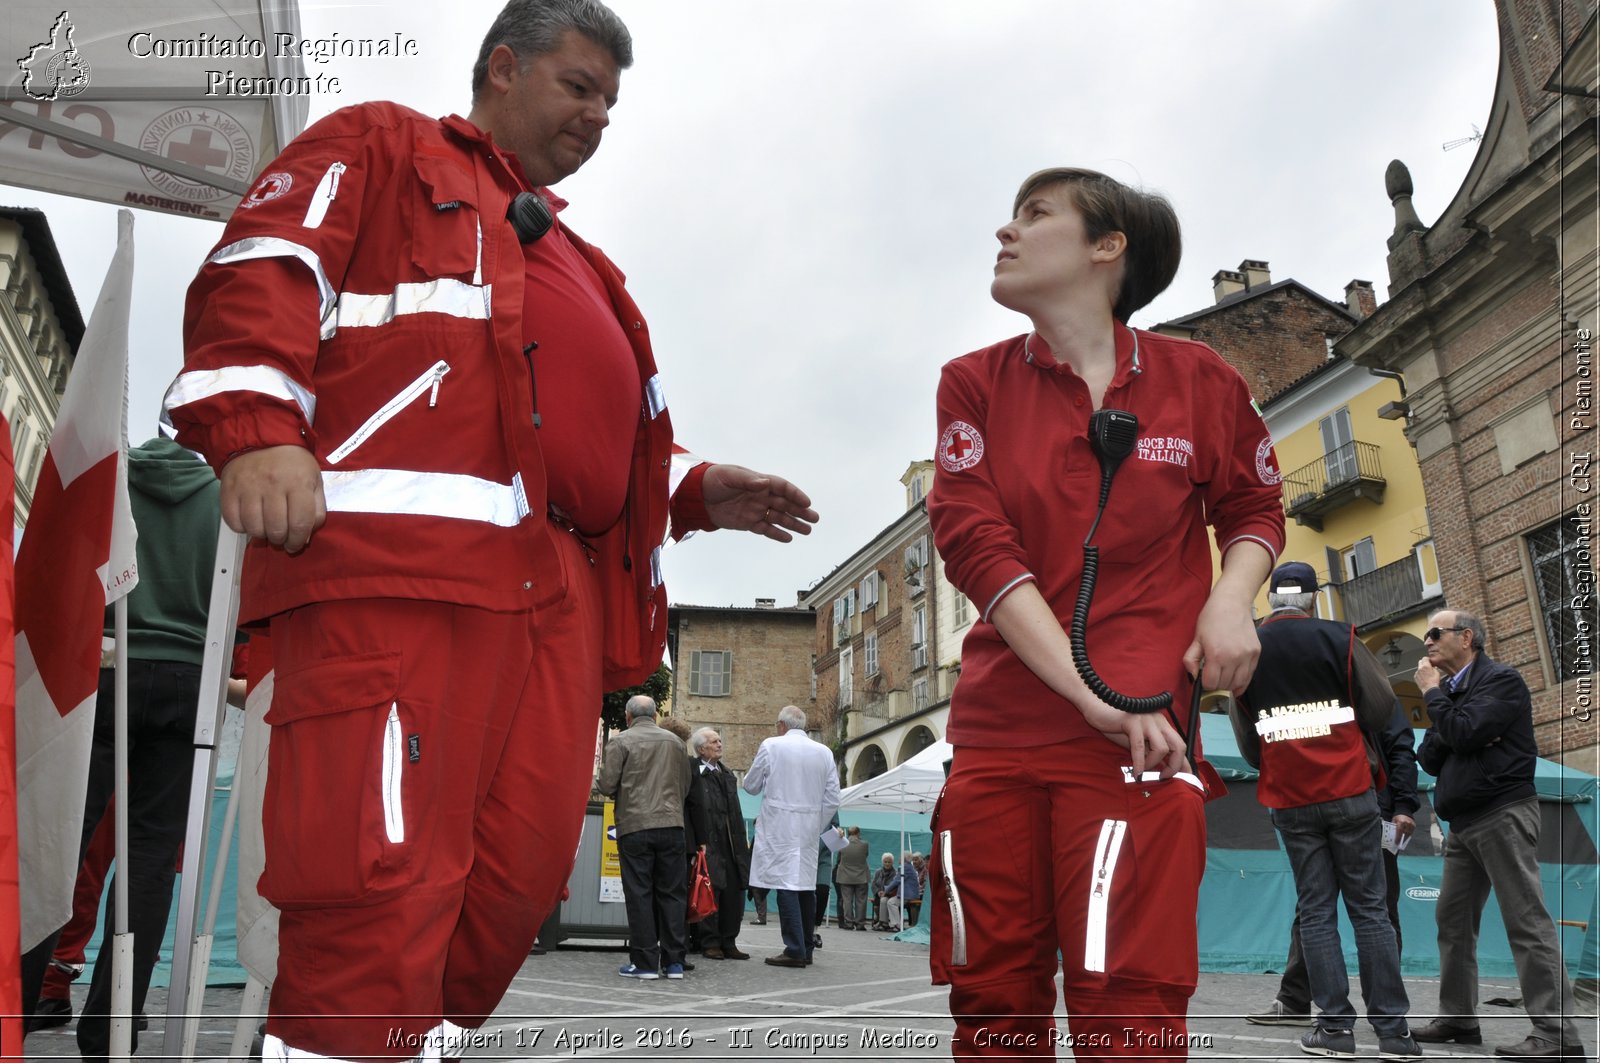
1293 577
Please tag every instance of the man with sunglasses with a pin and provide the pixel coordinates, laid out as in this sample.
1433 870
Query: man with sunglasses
1481 749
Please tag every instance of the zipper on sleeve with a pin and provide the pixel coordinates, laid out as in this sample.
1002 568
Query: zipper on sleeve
327 191
427 382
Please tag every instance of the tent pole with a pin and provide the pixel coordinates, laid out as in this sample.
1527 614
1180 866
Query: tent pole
223 620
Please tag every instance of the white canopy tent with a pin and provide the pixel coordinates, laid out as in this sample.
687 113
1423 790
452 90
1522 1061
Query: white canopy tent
149 103
910 788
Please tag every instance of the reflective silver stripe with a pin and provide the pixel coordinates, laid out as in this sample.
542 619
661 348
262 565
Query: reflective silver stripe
327 191
958 919
656 578
442 296
425 494
1003 591
655 396
386 413
394 759
1105 868
1155 776
272 247
273 1050
682 462
263 379
1290 721
477 266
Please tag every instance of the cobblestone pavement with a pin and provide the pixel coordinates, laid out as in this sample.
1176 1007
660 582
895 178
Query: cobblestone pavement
867 997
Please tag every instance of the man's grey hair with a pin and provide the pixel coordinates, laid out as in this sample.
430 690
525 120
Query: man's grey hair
640 705
1306 603
535 27
792 717
1474 625
701 736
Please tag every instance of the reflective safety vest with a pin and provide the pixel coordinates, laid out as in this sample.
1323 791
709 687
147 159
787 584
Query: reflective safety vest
1300 701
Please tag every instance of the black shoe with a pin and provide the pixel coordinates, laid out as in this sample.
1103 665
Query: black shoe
688 966
1533 1047
48 1013
1439 1032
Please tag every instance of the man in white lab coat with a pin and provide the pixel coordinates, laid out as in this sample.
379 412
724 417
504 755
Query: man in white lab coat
801 785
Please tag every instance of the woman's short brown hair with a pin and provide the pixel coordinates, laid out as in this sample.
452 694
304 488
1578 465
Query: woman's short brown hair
1146 219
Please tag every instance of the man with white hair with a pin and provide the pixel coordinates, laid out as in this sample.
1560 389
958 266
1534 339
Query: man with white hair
801 787
716 825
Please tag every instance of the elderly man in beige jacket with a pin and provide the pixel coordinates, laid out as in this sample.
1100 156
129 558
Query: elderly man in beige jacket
801 787
646 771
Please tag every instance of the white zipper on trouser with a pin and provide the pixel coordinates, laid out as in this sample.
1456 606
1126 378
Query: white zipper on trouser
428 381
1094 936
394 758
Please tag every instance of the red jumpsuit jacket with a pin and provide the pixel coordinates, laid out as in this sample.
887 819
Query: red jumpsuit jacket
365 302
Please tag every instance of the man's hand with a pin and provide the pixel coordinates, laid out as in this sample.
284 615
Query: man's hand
1404 825
1225 648
743 500
274 494
1427 675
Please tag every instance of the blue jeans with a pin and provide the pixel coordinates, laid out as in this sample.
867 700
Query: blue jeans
797 917
1336 847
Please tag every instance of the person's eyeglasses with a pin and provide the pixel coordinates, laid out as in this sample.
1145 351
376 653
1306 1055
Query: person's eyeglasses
1434 633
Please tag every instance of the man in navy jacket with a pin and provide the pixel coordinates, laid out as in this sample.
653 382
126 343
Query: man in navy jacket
1480 747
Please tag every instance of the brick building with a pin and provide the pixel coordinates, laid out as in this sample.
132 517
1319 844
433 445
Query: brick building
883 673
1273 333
40 329
734 667
1490 319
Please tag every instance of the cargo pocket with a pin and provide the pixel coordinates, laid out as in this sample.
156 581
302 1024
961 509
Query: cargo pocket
343 789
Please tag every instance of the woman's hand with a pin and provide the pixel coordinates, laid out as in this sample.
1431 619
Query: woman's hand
1153 744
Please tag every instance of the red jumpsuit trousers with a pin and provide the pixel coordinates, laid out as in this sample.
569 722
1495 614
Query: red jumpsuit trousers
427 777
1052 848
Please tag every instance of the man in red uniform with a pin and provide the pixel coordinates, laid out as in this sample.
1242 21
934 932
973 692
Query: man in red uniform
438 409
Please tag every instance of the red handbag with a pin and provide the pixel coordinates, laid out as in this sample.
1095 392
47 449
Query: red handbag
702 897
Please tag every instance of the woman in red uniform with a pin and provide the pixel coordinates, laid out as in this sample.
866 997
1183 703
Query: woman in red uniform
1069 822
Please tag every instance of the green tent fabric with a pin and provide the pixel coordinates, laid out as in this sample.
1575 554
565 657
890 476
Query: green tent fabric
1247 898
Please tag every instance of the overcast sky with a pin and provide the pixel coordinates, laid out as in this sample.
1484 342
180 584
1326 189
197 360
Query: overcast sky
804 196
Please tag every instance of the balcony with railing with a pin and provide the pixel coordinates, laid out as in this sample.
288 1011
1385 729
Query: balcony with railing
1387 594
1337 478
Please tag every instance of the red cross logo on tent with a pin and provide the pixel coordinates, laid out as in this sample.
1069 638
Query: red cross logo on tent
961 447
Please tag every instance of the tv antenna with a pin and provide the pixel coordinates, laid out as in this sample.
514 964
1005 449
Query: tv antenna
1451 145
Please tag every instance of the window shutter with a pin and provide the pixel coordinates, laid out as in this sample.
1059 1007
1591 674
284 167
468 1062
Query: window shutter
694 671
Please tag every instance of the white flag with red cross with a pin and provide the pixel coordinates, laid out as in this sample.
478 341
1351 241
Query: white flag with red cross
76 558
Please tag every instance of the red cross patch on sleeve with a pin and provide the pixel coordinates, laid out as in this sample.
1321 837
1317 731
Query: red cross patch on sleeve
961 447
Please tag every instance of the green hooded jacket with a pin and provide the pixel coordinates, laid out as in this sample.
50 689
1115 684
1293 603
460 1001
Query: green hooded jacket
176 502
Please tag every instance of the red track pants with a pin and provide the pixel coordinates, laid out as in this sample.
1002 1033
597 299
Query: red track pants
1053 849
426 783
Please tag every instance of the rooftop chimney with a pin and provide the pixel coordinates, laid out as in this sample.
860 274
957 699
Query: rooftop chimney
1358 298
766 603
1256 274
1226 282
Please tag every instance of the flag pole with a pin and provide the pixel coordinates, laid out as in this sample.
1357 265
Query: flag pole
188 986
121 1046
